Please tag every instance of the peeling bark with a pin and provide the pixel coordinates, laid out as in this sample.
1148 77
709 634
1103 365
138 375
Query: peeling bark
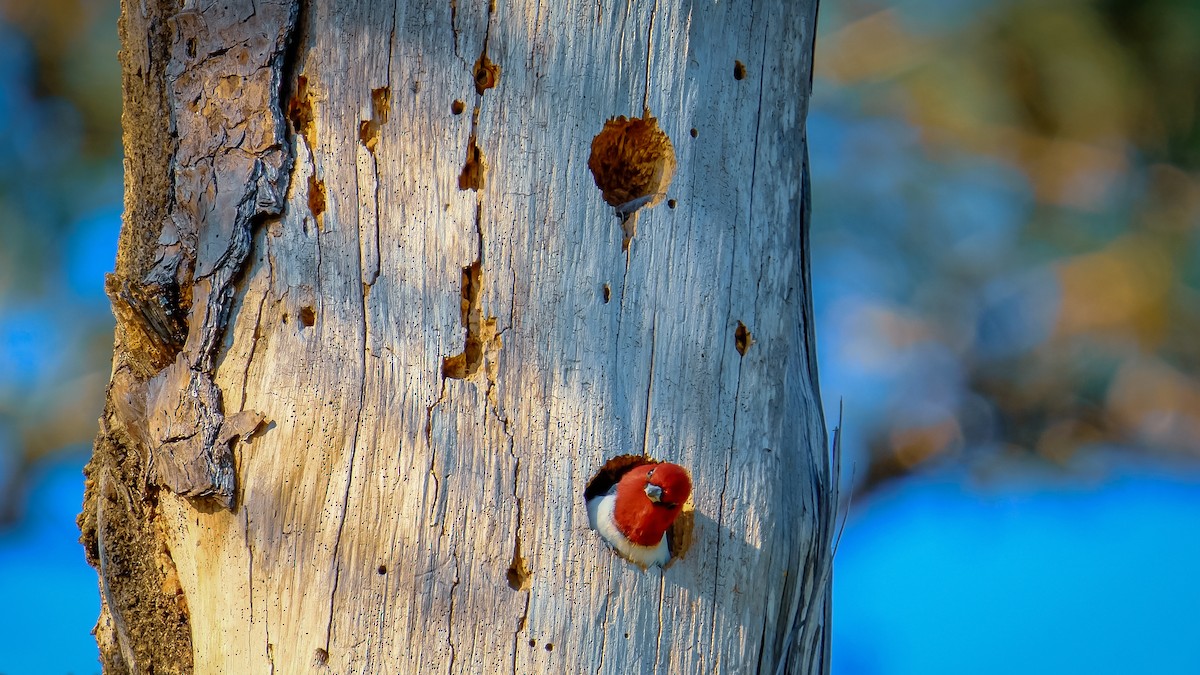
223 83
208 88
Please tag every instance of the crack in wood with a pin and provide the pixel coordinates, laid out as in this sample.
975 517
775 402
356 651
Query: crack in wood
454 26
250 585
364 336
485 74
369 130
481 342
603 633
450 614
662 586
649 51
433 511
256 336
522 625
466 363
650 386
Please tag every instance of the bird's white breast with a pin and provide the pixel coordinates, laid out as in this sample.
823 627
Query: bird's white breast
600 517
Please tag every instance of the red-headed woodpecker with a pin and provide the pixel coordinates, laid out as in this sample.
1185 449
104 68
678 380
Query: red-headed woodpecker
632 502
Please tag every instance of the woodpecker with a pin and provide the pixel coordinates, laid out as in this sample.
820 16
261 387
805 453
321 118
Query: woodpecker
633 501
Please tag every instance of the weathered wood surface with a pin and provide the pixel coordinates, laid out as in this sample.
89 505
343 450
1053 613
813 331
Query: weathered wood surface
446 341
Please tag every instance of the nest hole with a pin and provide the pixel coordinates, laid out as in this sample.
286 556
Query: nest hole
679 535
632 162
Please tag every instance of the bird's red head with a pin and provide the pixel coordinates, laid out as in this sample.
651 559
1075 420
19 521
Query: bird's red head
649 498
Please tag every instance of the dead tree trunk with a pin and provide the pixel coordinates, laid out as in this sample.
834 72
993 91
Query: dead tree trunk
377 328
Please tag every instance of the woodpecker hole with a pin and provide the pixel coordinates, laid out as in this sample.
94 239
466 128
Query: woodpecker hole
632 162
607 293
308 316
739 70
518 570
694 133
670 203
368 134
481 331
486 74
316 197
474 169
382 569
549 647
611 472
381 103
679 535
533 643
381 107
457 107
742 338
300 110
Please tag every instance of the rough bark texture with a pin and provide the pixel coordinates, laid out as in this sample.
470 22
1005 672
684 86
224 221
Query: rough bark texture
368 360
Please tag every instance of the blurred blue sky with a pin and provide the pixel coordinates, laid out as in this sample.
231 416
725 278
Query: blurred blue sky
990 553
52 592
1036 575
996 564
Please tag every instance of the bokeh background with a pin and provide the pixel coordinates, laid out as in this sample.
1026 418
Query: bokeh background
1007 283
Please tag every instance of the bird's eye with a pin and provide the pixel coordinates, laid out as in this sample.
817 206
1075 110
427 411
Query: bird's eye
650 474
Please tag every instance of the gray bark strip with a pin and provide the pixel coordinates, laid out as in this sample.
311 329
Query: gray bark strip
445 339
230 170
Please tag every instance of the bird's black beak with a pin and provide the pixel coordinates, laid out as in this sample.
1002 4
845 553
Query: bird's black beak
654 492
